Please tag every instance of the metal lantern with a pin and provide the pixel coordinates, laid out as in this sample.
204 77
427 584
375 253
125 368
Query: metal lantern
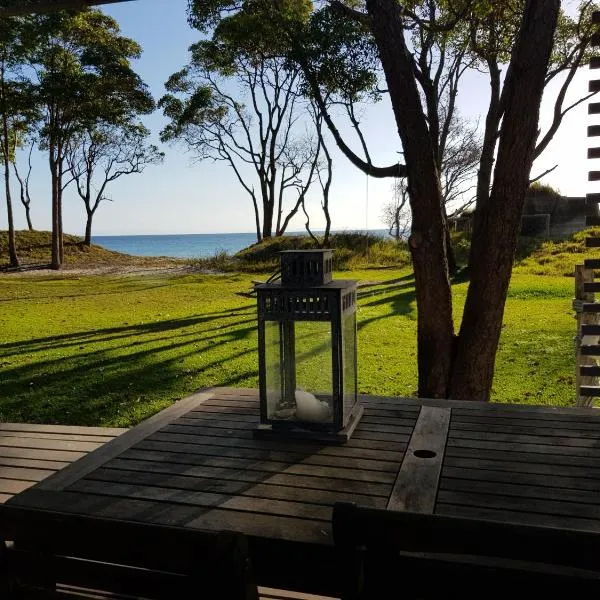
307 350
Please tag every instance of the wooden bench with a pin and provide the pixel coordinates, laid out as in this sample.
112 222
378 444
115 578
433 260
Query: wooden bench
389 554
57 555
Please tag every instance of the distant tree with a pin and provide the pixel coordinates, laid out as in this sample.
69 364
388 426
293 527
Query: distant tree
102 154
17 108
396 214
83 77
244 110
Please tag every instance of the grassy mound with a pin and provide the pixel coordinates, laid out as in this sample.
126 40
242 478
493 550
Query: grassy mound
34 248
352 250
539 257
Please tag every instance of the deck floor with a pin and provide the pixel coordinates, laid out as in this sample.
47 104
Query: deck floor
30 453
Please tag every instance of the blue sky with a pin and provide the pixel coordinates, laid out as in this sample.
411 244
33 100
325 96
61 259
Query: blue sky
183 196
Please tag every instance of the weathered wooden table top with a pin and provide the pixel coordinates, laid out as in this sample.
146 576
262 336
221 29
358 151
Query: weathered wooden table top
197 464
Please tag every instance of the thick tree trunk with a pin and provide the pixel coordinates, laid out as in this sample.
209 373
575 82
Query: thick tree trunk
495 237
427 241
267 230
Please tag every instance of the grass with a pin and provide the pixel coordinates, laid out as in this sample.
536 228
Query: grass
114 349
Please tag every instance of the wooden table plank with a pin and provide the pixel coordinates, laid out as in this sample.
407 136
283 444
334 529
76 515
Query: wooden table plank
73 472
258 485
278 473
415 488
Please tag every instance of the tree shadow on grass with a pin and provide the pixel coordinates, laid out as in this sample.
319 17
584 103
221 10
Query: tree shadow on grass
119 383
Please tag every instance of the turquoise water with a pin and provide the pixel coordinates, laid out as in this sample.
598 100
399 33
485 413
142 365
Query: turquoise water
179 246
193 245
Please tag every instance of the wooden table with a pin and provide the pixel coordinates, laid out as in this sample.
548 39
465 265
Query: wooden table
197 464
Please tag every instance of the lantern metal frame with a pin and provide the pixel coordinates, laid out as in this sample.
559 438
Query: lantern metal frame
289 302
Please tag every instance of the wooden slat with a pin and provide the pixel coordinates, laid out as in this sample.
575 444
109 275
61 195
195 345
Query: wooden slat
521 447
593 130
24 474
31 463
416 485
261 487
216 443
514 427
72 473
550 481
589 391
589 349
592 242
217 475
267 593
592 198
590 329
39 454
467 451
205 499
515 516
594 64
195 454
593 176
590 370
591 287
521 504
456 435
24 435
312 476
48 444
594 86
366 438
593 153
527 493
70 430
596 17
495 465
10 486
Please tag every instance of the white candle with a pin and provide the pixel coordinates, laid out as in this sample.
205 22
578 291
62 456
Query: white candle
310 408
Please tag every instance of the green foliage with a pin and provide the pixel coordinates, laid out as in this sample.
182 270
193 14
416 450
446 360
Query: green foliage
84 73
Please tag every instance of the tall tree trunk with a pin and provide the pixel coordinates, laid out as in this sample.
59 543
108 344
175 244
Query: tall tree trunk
495 237
55 261
427 242
13 259
59 189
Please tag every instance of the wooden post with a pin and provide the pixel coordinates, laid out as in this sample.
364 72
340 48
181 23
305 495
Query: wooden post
583 276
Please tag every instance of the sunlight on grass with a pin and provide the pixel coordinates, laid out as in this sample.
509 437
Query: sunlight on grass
100 350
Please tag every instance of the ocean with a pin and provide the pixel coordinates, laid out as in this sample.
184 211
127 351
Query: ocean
193 245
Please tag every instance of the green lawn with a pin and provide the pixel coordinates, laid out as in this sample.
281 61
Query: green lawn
108 350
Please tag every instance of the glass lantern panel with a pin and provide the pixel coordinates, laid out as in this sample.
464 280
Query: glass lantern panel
349 359
274 367
314 376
